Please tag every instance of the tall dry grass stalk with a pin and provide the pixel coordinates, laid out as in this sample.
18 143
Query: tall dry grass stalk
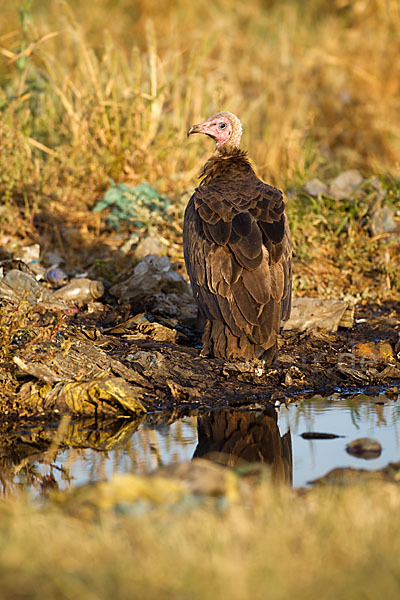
86 95
115 90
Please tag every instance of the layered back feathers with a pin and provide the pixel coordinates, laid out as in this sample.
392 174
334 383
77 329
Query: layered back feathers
238 257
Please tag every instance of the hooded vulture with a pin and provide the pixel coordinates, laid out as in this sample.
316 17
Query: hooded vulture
237 250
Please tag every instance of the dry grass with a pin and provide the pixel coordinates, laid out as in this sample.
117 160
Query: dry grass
90 94
111 92
329 544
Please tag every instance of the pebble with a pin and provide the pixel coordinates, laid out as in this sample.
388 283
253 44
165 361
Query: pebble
345 184
364 448
382 221
373 350
315 187
315 435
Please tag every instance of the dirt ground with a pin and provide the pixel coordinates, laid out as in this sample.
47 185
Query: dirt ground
100 365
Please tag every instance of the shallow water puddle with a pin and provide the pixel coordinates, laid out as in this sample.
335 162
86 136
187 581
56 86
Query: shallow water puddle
30 459
357 417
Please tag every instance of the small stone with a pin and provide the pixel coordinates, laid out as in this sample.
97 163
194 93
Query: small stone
382 221
373 350
345 184
392 392
315 435
320 313
315 187
288 379
149 245
364 448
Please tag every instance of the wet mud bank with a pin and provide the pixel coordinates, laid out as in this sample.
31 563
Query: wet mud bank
102 365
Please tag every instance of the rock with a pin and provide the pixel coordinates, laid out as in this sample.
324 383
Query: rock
373 350
318 313
364 448
149 245
315 435
156 287
382 221
345 184
315 187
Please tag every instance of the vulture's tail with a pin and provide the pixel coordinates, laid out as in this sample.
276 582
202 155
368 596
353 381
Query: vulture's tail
220 342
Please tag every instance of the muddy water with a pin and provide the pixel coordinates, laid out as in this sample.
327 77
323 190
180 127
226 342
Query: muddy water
30 459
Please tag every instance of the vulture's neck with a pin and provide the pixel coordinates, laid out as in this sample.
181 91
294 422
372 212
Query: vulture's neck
226 164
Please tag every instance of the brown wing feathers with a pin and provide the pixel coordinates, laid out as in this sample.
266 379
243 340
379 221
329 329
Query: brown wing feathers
237 253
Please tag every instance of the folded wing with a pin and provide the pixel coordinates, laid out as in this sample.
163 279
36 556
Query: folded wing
238 257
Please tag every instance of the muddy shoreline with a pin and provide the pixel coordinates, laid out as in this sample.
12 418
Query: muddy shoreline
97 352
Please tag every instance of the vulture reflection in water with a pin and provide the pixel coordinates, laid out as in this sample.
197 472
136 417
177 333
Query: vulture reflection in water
237 251
235 438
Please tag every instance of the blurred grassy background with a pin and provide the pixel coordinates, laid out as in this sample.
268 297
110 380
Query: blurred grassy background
90 91
328 543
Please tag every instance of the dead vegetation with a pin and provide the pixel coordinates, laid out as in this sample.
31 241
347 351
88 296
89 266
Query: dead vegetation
87 97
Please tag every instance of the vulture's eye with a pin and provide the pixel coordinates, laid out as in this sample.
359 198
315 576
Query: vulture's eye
222 125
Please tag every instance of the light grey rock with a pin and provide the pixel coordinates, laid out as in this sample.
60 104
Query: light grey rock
345 184
319 313
315 187
382 221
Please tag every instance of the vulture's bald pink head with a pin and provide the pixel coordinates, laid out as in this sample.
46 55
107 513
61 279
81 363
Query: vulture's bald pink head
224 127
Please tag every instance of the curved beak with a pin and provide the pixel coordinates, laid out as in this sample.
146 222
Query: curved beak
201 128
193 129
